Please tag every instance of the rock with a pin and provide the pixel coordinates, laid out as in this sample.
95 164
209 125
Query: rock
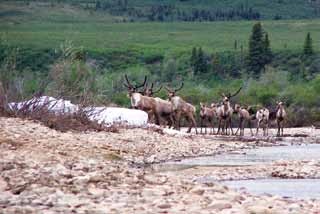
147 192
3 185
220 205
259 210
5 198
164 206
197 191
155 180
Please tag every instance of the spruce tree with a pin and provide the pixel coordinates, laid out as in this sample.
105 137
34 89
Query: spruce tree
193 59
201 62
256 59
267 49
308 49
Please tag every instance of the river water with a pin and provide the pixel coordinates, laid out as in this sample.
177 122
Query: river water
295 188
260 155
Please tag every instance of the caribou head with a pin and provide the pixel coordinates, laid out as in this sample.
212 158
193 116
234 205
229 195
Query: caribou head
133 88
226 97
172 92
149 91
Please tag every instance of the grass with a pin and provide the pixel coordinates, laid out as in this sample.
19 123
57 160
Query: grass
158 37
46 25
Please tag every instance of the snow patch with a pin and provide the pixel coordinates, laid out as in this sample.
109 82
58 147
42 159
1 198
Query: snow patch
112 115
106 115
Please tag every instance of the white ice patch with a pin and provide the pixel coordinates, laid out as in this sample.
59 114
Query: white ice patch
107 115
113 115
54 105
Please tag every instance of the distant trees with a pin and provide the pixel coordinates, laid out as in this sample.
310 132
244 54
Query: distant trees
198 61
267 49
259 50
169 12
308 47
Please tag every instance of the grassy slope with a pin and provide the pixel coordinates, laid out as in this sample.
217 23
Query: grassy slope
158 37
36 26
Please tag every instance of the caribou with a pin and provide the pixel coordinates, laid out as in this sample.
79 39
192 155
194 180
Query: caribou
225 112
141 102
262 117
280 117
163 107
244 114
207 115
181 109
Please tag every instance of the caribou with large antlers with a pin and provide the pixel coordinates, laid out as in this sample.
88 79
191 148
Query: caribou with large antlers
139 101
181 109
225 112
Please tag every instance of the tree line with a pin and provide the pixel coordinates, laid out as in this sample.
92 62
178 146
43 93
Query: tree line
169 12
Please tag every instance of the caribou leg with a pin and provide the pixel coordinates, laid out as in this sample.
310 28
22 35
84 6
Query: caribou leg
205 126
171 121
249 123
241 127
258 126
230 125
278 123
157 119
177 120
219 127
193 123
240 120
201 124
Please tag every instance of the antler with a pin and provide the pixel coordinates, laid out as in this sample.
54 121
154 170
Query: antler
178 89
128 85
235 93
168 89
144 82
157 90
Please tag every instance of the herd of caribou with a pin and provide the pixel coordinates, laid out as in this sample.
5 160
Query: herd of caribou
170 112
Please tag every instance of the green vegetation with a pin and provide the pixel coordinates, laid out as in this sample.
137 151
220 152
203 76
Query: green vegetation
81 53
184 10
308 49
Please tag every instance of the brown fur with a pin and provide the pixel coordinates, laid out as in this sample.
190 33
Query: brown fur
207 115
225 112
244 115
263 118
281 115
182 109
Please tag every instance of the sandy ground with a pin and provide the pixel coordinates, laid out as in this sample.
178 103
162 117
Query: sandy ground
45 171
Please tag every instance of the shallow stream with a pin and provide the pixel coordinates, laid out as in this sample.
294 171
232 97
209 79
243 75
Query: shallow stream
296 188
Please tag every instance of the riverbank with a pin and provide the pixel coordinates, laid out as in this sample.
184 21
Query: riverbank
43 170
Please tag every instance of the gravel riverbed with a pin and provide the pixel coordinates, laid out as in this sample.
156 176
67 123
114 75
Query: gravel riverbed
46 171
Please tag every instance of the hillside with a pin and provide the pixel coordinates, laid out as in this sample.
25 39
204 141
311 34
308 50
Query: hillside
40 38
165 10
